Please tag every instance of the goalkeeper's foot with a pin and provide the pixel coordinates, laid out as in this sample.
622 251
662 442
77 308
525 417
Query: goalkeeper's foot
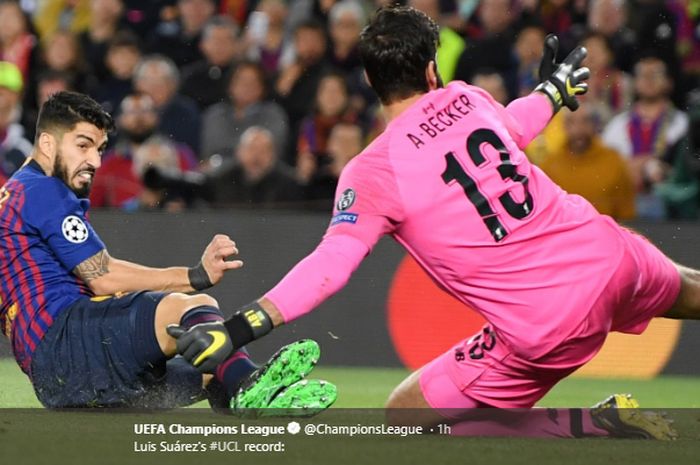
620 415
289 365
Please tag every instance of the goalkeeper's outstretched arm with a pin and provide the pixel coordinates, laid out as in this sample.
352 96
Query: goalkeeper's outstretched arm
317 277
314 279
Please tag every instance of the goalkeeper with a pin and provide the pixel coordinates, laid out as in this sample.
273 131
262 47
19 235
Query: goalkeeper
449 181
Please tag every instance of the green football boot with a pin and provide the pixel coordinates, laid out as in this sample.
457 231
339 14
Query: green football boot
285 368
304 398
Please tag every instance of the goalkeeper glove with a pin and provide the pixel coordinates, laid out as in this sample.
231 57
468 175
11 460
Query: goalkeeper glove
562 82
205 345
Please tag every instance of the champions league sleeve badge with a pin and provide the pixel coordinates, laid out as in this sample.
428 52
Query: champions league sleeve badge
347 198
74 229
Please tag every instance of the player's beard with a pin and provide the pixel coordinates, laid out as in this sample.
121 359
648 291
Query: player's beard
60 171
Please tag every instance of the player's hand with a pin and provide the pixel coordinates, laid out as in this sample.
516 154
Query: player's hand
205 345
563 82
214 259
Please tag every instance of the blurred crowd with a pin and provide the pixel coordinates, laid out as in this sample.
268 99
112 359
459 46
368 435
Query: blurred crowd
263 102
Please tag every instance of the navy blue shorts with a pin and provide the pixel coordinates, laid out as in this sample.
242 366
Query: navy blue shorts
103 352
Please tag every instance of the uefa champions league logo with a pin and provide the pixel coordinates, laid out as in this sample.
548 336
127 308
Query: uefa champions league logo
347 198
74 229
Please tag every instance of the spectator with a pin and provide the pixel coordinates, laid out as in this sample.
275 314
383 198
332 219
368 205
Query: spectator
62 53
205 81
159 153
17 44
451 43
118 183
237 10
331 107
266 34
610 90
644 133
144 17
688 45
257 177
105 20
493 49
48 83
297 83
52 82
528 52
346 20
586 167
224 123
493 83
680 190
656 29
344 143
123 54
62 15
609 18
158 77
557 16
179 39
321 9
14 148
301 11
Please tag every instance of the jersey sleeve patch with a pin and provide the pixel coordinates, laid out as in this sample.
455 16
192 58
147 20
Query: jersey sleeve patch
365 204
344 217
74 229
346 200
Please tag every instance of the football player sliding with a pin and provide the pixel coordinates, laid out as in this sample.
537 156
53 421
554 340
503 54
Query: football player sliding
90 329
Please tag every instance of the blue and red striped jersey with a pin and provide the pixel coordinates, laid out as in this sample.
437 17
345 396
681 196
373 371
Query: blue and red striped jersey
44 235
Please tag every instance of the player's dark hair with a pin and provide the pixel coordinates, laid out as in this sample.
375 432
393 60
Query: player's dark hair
64 110
395 49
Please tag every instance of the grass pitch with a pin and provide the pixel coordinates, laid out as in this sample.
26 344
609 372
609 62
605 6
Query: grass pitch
109 438
370 387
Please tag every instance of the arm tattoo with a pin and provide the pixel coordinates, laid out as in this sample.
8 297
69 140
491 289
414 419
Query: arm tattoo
93 267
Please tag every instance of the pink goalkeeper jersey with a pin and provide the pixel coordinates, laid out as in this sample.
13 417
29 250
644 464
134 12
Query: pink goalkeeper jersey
448 179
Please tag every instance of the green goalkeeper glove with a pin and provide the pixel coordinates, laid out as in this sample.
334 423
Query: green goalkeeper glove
562 82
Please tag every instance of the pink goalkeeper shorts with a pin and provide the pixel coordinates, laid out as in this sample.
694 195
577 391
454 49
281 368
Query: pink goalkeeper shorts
482 371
